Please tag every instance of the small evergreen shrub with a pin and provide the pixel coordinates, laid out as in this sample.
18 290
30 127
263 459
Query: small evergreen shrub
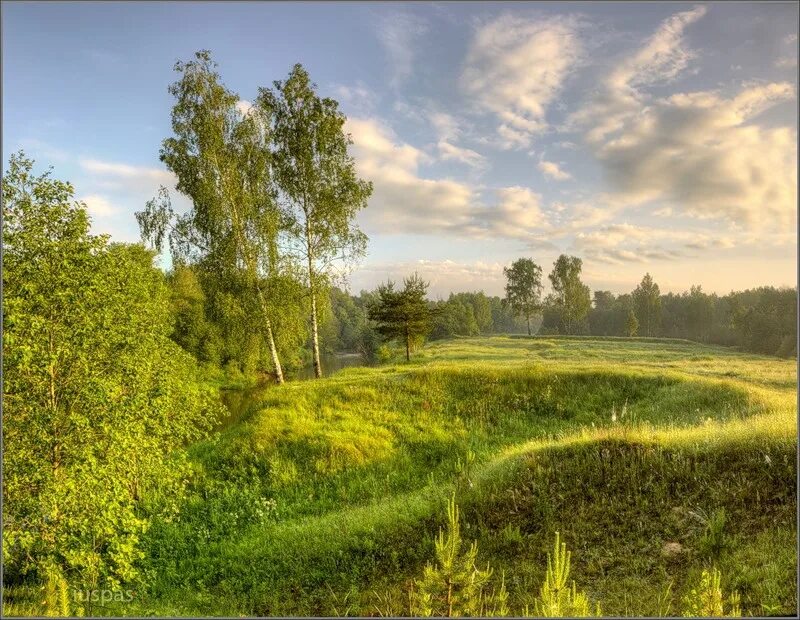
57 601
556 598
706 600
455 586
713 540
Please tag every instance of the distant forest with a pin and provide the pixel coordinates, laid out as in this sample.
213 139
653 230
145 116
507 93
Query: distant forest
761 320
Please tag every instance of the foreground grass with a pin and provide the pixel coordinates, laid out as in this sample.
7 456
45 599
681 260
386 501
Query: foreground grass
325 497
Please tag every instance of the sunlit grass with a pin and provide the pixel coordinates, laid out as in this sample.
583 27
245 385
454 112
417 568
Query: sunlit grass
356 468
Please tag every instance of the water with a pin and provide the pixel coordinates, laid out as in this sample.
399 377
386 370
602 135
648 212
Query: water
240 402
330 364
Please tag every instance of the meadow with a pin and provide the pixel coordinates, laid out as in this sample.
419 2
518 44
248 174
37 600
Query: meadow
653 458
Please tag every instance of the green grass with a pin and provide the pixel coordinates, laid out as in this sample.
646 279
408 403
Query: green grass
325 497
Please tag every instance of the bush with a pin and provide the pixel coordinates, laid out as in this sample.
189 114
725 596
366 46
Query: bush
706 600
455 586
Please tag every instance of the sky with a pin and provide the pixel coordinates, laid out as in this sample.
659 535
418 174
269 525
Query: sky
641 137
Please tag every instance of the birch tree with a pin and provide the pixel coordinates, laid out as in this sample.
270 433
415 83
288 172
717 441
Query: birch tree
319 189
524 288
571 296
221 154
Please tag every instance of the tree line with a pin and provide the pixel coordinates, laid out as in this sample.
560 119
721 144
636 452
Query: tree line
761 320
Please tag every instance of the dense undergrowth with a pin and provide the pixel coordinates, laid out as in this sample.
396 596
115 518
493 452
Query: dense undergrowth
655 459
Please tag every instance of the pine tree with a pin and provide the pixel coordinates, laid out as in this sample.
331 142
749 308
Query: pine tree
707 599
455 586
403 315
556 598
57 602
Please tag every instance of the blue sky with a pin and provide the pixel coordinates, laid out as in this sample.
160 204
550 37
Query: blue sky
654 137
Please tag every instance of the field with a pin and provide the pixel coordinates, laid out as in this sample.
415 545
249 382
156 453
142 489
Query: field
326 496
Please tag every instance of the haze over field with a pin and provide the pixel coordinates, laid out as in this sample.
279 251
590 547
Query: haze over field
648 137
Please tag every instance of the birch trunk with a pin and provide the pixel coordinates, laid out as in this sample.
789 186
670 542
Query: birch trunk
312 290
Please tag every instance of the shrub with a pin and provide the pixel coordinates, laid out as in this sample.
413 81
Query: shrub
707 599
456 587
556 599
713 541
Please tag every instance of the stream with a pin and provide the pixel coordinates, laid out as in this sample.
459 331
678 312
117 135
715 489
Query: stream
239 401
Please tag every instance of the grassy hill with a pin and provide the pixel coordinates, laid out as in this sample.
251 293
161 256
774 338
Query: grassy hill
325 498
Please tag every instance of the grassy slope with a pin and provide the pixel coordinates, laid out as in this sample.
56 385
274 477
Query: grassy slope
358 466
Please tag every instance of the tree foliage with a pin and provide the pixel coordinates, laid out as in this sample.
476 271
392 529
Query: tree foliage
571 297
631 324
95 394
346 326
524 288
402 314
647 305
223 162
319 189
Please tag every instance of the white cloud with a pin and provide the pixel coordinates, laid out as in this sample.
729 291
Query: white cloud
700 153
450 152
518 214
515 68
381 149
125 171
703 155
445 125
405 202
39 149
243 106
786 62
99 206
397 32
662 56
449 129
444 276
553 170
357 97
624 243
114 191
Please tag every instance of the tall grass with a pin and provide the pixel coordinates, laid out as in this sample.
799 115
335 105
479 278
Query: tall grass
326 496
